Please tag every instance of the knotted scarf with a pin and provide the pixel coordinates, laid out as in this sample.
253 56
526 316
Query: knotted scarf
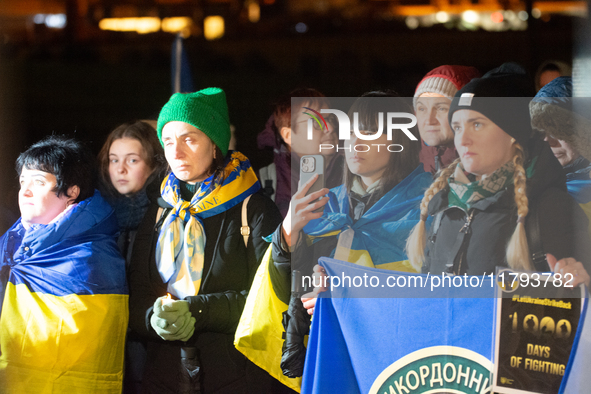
464 192
181 243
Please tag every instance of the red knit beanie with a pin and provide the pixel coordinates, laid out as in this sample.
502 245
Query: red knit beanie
445 80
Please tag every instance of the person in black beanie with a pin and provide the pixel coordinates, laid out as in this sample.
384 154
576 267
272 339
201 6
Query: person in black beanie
505 181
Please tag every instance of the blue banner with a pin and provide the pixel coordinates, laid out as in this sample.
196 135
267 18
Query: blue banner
396 344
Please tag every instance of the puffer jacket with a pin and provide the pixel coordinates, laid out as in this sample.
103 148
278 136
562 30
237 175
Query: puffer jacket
475 242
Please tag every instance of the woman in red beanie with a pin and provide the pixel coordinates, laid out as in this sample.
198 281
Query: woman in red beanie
432 99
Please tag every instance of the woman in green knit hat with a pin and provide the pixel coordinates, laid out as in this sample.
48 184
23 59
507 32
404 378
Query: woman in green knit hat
191 272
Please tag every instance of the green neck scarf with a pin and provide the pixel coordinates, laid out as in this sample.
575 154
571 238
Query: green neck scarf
465 192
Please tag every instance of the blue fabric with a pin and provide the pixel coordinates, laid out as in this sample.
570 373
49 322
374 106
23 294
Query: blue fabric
77 254
557 92
576 374
352 340
384 228
181 70
580 190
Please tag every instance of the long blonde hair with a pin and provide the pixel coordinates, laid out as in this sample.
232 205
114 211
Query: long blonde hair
517 253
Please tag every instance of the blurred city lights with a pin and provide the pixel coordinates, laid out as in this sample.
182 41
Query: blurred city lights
412 22
254 11
140 25
176 24
442 17
496 17
213 27
471 17
54 21
301 27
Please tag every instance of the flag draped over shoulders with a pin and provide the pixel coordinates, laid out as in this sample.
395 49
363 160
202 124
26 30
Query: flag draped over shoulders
378 238
65 309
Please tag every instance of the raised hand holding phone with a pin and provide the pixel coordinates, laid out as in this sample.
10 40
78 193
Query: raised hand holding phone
302 209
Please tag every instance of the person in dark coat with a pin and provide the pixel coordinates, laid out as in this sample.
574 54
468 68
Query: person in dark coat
131 168
565 123
203 251
505 181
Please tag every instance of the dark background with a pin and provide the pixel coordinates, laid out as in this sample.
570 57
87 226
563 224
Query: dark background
87 87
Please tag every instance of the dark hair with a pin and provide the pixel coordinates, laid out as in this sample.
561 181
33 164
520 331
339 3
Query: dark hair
217 165
67 159
282 112
400 164
153 154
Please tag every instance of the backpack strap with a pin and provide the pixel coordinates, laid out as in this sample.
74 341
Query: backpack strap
268 179
245 230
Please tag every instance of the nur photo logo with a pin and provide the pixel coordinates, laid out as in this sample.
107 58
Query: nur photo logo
348 129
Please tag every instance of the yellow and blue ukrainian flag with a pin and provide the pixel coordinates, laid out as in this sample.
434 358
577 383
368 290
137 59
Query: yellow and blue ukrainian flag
580 190
65 309
378 238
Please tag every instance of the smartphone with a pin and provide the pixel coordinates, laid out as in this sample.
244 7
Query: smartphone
311 165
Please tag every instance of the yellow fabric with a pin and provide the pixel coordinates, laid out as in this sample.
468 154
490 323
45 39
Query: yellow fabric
259 333
362 257
70 344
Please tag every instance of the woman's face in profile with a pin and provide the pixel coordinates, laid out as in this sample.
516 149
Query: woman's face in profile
37 197
483 146
128 170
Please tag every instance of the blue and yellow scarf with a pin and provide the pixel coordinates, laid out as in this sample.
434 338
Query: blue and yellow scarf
378 238
180 248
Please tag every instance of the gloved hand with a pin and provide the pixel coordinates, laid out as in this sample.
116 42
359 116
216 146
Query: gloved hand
172 321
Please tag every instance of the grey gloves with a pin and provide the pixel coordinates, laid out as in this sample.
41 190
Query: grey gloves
172 319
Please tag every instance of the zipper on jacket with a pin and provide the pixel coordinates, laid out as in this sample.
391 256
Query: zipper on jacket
464 230
454 266
466 225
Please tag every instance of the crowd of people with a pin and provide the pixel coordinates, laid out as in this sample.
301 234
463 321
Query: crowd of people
133 273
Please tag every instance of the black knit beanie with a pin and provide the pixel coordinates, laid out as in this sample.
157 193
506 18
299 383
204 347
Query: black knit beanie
503 96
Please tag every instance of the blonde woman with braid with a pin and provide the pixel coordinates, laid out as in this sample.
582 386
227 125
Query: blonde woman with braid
505 183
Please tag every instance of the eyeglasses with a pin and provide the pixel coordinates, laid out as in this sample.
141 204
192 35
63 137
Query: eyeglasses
331 119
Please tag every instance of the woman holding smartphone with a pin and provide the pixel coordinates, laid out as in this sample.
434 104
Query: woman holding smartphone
366 219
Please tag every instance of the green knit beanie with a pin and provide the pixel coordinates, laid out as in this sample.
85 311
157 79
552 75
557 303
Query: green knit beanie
206 109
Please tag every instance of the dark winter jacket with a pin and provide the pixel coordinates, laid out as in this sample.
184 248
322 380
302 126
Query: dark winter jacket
130 212
229 268
476 246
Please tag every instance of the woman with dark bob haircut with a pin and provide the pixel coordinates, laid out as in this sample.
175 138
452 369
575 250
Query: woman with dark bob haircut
62 279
